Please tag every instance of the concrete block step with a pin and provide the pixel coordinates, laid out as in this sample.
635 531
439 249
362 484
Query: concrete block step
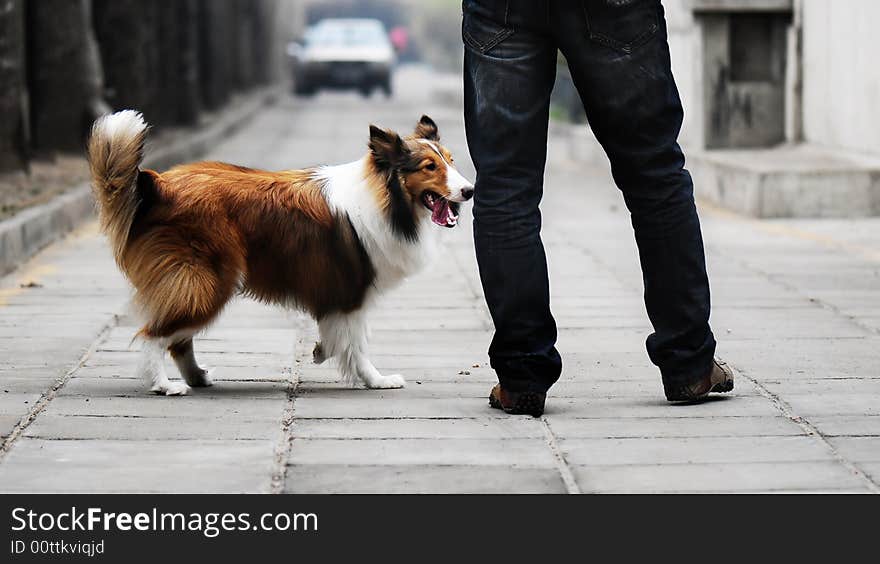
788 181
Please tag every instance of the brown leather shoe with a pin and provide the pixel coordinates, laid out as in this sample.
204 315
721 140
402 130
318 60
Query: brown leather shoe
517 403
719 380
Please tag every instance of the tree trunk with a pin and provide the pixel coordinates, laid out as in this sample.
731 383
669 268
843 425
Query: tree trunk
64 77
266 48
13 90
243 70
185 61
215 40
125 35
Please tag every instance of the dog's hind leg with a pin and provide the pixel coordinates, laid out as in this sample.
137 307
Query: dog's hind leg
152 367
344 337
180 293
185 359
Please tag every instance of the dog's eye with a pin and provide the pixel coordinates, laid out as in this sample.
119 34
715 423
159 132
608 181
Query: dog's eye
431 166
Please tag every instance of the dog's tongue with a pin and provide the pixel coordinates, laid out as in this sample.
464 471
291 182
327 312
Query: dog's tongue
441 213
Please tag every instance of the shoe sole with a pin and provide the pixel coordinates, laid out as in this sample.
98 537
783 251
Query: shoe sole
722 388
528 404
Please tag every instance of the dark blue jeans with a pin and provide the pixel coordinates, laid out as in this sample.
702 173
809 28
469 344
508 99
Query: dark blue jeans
618 54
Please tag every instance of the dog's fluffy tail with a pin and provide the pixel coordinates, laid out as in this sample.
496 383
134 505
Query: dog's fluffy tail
116 150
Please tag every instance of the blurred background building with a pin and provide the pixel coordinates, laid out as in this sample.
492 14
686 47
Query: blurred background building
780 98
780 95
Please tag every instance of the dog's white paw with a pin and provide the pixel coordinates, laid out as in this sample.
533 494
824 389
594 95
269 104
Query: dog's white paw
170 389
200 379
390 382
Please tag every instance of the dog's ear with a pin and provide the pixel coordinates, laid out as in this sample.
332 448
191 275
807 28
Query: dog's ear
388 149
427 129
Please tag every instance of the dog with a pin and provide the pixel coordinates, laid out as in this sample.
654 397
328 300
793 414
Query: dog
327 240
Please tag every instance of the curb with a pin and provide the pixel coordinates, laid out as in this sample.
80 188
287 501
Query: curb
28 232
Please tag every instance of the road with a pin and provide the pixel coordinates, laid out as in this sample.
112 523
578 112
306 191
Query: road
796 311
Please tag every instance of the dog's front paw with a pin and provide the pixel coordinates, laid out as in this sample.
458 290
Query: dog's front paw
390 382
318 356
200 379
170 389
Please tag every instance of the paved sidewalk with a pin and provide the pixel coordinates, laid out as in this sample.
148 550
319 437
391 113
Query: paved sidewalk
797 311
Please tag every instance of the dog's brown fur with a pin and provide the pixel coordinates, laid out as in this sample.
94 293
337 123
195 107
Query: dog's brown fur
190 238
210 224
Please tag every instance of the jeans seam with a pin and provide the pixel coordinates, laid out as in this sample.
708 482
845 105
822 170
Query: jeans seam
488 45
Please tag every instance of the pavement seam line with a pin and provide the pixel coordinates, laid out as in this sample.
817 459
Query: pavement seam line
812 431
50 394
562 466
284 446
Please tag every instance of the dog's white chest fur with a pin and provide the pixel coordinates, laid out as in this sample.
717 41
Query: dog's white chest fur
393 257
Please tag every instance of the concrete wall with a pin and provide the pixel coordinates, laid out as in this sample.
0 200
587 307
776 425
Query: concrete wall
842 74
687 64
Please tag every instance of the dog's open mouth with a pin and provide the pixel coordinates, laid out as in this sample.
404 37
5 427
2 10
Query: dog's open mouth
443 212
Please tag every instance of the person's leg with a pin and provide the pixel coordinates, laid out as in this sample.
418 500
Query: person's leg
510 68
619 58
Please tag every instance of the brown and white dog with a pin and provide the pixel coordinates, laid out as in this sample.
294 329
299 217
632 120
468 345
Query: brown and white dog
327 240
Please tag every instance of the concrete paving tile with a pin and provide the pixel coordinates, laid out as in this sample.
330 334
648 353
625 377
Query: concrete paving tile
808 358
579 320
246 344
838 386
847 425
462 351
727 477
420 479
467 386
858 449
131 358
33 384
834 404
378 404
477 428
218 373
424 361
594 386
12 330
404 323
519 453
671 427
160 406
35 465
722 406
181 427
14 403
713 450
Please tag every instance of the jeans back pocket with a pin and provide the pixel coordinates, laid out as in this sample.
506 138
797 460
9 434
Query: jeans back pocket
622 24
480 30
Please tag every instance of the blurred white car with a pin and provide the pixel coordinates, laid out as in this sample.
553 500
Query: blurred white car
343 54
